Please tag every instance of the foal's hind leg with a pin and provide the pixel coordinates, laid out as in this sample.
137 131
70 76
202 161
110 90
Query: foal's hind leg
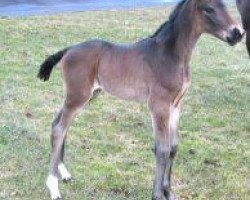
59 131
78 92
65 175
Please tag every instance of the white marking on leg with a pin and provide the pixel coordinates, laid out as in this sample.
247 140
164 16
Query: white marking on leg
174 119
64 172
52 184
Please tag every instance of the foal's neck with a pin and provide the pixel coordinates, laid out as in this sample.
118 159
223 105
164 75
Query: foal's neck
188 35
185 45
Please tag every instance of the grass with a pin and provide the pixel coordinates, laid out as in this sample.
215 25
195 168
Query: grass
109 144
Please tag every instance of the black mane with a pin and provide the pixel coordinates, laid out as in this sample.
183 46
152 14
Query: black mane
167 32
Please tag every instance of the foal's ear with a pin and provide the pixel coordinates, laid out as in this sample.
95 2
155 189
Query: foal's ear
201 1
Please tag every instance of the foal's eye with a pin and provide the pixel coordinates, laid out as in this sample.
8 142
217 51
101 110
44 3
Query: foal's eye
208 10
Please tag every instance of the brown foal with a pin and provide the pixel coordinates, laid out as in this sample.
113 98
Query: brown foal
244 8
154 70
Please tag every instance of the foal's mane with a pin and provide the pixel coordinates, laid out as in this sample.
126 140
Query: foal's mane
168 32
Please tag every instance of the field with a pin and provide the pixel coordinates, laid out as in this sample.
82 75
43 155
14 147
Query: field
109 144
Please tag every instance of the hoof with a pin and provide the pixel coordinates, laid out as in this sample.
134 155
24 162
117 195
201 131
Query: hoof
58 198
68 180
65 175
52 184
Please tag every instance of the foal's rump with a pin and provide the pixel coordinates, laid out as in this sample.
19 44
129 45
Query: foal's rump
73 54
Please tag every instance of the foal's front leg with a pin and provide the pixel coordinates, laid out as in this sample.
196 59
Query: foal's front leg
173 123
161 124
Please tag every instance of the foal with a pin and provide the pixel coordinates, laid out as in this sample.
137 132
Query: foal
244 8
154 70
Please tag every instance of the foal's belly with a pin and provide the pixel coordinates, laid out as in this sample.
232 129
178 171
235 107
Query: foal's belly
124 87
123 75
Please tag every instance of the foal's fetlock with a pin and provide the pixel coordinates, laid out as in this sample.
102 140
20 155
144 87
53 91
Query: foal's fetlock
166 194
159 196
166 189
169 195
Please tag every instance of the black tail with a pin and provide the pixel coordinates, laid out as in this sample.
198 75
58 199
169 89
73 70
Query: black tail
49 63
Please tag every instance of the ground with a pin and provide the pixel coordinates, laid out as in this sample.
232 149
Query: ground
109 144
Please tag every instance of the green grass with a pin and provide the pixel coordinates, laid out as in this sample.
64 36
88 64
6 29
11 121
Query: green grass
109 144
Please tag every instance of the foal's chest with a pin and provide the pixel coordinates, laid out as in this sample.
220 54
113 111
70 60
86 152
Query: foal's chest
185 83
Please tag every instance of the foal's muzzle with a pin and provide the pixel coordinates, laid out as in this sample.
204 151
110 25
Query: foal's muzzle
235 35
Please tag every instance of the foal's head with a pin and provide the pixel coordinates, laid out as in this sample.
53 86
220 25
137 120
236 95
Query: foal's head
215 19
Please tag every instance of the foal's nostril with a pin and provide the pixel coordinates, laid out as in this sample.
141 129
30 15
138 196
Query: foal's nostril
236 34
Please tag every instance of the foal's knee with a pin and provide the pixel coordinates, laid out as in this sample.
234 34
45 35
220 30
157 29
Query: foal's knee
57 131
75 101
165 152
162 152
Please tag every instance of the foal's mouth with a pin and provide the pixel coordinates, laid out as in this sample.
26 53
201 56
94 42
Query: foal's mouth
232 42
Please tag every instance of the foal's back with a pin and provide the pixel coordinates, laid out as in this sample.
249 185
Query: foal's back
125 71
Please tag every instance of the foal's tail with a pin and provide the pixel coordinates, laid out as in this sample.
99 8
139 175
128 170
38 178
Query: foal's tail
49 63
